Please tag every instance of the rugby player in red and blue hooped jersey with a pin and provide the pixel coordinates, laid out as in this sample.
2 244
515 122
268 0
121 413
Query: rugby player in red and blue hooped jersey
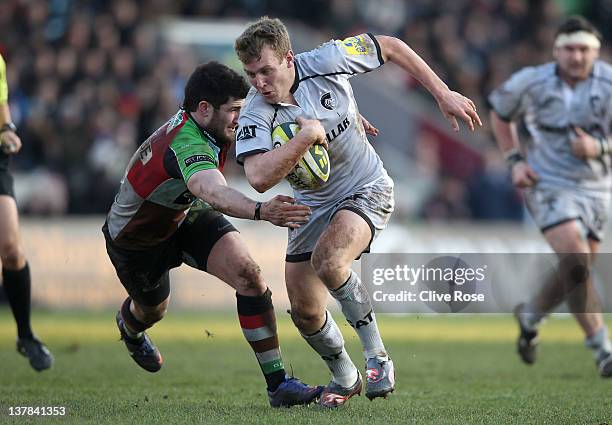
169 211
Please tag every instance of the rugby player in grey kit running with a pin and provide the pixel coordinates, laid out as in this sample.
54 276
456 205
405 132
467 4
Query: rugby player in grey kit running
353 206
566 106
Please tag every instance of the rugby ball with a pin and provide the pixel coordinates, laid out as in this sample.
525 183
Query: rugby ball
313 169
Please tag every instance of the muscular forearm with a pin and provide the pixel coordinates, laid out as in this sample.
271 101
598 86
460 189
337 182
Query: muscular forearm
398 52
211 187
267 169
228 201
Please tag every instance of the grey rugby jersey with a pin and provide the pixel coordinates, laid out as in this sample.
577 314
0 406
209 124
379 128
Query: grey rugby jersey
322 91
537 95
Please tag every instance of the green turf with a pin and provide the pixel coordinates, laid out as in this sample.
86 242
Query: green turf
450 370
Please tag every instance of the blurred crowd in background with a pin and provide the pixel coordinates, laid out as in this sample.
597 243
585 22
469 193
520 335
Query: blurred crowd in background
90 80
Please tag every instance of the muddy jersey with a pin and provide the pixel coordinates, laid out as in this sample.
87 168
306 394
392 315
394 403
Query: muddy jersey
323 91
153 199
550 110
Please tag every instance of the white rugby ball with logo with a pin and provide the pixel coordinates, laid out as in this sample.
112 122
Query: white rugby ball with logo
312 171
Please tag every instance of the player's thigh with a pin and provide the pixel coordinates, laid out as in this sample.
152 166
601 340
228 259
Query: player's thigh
567 237
346 237
10 241
198 235
567 240
307 293
594 247
144 274
230 261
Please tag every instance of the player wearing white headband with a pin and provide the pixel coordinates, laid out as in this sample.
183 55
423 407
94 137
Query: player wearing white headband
564 172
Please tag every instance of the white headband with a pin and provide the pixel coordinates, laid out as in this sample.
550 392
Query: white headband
579 37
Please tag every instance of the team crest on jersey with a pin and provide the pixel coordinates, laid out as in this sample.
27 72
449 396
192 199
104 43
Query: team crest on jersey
328 100
246 132
355 46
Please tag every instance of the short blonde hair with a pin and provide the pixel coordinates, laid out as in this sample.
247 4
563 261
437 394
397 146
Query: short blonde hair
263 32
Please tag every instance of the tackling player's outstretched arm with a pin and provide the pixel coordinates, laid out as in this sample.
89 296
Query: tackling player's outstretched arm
210 186
265 170
452 104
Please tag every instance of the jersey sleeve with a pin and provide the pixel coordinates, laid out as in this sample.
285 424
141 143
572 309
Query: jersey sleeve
353 55
192 154
253 135
509 99
3 83
360 53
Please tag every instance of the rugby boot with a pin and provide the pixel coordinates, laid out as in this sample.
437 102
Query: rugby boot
380 378
39 355
293 392
527 342
142 350
604 364
335 395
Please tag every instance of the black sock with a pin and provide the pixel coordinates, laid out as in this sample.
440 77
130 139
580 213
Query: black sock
17 288
133 324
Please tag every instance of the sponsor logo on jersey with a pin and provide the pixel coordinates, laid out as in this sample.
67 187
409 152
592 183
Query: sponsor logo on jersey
198 158
340 128
355 46
328 100
246 132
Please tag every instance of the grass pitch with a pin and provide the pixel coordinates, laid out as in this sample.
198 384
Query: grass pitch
450 369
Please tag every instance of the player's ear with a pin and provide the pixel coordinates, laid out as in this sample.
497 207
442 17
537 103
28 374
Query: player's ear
204 108
290 59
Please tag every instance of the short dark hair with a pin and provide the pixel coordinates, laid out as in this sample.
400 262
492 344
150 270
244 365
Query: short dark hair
214 83
578 23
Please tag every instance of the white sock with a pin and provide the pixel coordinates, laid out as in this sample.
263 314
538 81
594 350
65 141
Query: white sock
329 343
599 342
530 317
357 308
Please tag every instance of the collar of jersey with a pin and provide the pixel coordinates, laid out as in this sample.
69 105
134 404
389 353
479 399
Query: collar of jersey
204 132
592 73
296 81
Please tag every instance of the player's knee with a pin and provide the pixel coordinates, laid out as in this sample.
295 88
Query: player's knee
575 269
306 320
326 267
11 254
152 316
249 281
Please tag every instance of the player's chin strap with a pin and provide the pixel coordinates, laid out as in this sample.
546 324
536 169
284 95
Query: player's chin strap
584 38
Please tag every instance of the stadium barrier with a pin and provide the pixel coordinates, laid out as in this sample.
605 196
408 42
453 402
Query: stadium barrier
70 267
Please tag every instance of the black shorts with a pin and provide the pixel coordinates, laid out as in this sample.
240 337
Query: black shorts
145 273
6 183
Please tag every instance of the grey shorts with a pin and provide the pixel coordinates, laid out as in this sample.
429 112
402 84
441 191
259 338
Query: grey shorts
551 206
374 203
